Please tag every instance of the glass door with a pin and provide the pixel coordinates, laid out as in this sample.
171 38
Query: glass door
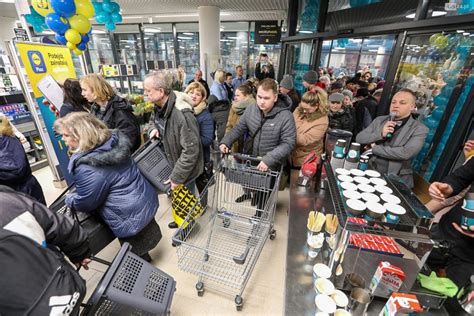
298 61
438 68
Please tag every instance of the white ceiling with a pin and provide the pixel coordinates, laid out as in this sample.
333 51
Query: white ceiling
231 10
8 10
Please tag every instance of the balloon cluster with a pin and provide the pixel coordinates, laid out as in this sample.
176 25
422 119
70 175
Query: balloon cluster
107 13
309 18
36 20
69 19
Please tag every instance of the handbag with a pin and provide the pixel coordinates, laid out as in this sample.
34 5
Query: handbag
98 232
310 165
205 176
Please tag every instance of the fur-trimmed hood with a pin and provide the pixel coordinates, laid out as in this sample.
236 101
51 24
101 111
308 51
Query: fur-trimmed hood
181 101
115 151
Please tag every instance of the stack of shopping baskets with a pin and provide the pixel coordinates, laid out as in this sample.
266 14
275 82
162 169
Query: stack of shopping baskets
223 245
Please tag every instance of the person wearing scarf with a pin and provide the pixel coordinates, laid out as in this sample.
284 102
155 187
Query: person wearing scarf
311 120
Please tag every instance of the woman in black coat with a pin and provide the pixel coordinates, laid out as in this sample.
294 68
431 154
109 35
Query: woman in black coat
116 112
15 170
73 99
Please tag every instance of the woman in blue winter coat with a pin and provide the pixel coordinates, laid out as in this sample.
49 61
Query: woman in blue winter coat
108 180
197 92
218 88
15 170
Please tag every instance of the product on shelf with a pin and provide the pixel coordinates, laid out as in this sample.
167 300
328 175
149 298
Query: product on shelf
387 279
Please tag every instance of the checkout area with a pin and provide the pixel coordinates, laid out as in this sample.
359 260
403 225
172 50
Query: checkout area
358 242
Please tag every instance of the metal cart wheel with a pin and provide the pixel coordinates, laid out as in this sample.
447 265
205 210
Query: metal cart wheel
200 288
239 302
273 234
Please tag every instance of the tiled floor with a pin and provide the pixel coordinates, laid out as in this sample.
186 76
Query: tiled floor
264 294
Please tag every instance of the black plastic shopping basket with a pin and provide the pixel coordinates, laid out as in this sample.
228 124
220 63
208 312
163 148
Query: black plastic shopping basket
131 286
153 164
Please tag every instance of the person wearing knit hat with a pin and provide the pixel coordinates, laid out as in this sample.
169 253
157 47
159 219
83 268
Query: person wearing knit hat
310 78
287 87
336 86
348 96
340 117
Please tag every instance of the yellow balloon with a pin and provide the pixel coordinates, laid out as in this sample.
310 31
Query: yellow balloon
70 45
80 23
73 36
85 8
43 7
77 51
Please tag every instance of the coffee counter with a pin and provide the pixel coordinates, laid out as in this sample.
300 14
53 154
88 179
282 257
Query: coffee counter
299 291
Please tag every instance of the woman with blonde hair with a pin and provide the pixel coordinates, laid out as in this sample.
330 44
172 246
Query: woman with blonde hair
197 92
110 108
311 119
108 180
218 89
15 170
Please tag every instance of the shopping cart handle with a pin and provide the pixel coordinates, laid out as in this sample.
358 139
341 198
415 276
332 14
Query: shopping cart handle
241 259
246 157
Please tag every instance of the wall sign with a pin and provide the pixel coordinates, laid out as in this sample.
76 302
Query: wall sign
267 32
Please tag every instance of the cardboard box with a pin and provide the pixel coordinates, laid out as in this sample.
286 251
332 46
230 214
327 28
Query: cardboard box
387 279
401 304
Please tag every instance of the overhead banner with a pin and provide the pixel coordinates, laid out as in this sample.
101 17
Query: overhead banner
40 60
267 32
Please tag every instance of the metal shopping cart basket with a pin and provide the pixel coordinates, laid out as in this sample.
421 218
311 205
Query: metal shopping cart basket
223 245
131 286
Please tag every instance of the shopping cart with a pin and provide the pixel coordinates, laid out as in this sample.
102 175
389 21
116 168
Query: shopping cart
131 286
223 245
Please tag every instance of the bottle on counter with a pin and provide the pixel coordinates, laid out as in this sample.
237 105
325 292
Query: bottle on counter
364 163
352 158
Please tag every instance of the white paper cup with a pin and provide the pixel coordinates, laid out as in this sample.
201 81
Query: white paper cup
372 173
351 194
356 207
323 286
357 173
340 298
344 178
378 181
349 186
382 189
341 312
394 211
374 210
361 180
365 188
369 197
342 171
321 271
324 304
390 198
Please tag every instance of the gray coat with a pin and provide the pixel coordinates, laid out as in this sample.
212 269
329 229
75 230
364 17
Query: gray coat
181 141
396 153
276 139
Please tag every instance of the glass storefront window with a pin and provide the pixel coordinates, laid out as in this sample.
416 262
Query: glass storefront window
234 45
433 66
159 43
100 49
308 13
188 42
298 61
349 55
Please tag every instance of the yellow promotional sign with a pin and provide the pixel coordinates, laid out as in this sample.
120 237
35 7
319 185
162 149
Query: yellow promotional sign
40 60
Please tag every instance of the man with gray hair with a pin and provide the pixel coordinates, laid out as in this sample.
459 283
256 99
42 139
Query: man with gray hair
174 122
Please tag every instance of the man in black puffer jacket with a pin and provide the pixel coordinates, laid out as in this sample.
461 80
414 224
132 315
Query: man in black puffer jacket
271 125
339 116
35 278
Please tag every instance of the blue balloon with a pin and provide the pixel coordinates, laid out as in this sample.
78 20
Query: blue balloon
110 26
115 7
441 100
30 18
85 38
102 17
60 39
437 114
97 6
64 8
116 17
81 46
53 21
108 7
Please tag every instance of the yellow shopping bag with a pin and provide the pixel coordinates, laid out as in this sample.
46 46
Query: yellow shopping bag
183 201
